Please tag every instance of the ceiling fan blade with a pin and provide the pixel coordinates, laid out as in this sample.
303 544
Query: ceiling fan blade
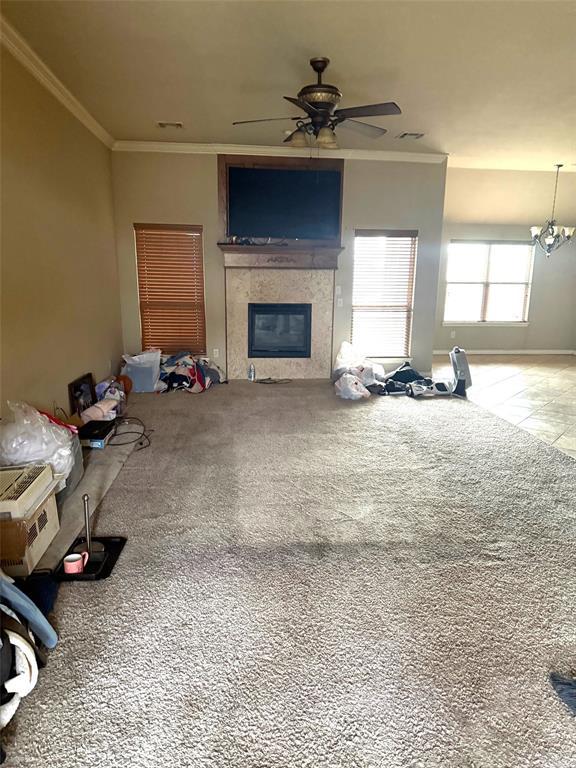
308 108
370 110
263 120
373 131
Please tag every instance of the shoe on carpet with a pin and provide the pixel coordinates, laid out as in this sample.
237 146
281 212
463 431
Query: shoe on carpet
565 687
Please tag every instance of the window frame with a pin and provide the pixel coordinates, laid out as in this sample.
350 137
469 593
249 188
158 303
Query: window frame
413 235
487 283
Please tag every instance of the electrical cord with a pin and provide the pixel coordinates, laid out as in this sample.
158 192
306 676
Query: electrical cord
58 410
142 435
270 380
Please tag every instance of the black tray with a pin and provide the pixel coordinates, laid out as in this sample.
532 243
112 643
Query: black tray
100 565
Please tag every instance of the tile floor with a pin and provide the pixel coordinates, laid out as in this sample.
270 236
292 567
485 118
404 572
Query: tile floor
535 392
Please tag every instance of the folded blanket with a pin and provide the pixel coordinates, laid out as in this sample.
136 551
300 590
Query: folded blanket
105 410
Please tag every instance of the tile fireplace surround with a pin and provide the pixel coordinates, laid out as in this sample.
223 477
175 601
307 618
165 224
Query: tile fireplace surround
267 285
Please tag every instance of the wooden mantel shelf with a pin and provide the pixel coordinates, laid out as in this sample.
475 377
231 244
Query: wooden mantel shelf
279 256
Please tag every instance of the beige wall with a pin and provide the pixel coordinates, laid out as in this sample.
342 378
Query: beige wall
60 302
396 196
182 189
496 205
168 189
507 197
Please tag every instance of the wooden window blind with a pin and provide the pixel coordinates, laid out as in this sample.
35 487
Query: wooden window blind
171 287
383 291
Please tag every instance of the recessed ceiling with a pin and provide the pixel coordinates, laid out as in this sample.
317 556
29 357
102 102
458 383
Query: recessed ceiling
489 83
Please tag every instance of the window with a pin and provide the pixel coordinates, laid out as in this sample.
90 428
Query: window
171 287
383 292
488 282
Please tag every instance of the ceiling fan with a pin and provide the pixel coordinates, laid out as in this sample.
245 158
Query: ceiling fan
319 102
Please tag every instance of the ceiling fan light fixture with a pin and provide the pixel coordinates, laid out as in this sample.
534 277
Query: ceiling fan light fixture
320 103
326 138
299 139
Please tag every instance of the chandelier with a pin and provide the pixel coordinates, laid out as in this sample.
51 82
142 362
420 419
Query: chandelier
551 236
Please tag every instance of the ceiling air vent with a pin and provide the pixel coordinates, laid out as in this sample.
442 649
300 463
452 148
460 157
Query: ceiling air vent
169 124
409 135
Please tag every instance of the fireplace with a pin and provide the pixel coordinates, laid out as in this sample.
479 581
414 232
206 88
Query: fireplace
273 287
279 330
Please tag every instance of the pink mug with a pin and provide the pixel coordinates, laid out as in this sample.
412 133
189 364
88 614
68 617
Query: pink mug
76 563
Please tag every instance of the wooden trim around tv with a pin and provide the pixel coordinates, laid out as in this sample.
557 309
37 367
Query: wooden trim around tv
256 161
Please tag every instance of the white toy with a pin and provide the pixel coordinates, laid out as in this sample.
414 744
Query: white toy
457 386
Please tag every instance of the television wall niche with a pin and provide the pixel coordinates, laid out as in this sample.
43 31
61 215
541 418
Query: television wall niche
297 200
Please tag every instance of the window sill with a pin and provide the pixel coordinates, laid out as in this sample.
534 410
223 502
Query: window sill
486 323
392 359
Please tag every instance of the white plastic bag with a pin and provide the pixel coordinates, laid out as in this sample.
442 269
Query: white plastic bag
32 437
365 373
349 360
349 387
346 358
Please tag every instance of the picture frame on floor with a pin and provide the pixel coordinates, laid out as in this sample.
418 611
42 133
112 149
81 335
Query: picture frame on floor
82 393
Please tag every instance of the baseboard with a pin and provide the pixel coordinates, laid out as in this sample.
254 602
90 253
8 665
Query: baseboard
510 351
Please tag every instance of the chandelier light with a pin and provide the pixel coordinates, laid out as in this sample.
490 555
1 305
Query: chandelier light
551 236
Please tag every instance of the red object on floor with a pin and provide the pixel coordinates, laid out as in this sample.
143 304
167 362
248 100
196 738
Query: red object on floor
54 420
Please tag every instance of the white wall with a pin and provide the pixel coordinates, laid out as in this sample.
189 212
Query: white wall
495 205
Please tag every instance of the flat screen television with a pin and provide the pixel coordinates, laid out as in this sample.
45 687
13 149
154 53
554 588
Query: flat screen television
284 203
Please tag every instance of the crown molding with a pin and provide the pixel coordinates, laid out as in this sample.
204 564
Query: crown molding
21 51
509 351
510 164
188 148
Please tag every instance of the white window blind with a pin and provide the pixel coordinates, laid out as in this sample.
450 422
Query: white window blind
383 291
488 282
171 287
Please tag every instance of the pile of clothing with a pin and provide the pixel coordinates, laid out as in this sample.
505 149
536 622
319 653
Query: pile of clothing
355 377
24 636
184 371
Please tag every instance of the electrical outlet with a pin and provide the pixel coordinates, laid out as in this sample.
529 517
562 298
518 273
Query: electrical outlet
340 303
452 334
338 290
215 353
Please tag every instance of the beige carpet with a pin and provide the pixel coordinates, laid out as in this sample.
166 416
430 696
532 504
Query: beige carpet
316 583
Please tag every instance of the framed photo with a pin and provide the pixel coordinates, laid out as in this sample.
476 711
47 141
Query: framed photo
82 393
